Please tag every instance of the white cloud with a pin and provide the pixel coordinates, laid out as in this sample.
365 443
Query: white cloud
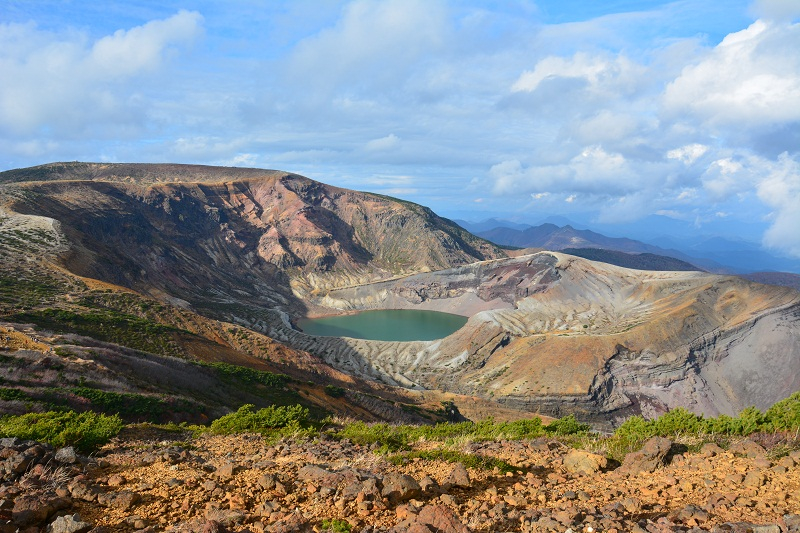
580 66
751 79
726 177
592 171
354 54
64 82
384 143
785 10
141 49
688 154
780 189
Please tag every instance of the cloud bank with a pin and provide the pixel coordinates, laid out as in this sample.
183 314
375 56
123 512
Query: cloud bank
458 105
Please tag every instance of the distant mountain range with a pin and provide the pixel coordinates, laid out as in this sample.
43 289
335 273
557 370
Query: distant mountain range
643 261
713 253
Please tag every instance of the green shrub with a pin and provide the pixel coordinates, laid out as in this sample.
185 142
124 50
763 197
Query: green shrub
138 407
250 375
635 428
567 425
336 525
394 438
785 415
749 421
391 438
86 431
13 394
106 325
677 422
334 391
290 419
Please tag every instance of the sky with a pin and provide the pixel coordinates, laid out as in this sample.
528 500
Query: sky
611 110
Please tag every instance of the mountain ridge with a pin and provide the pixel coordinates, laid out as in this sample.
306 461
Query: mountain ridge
548 332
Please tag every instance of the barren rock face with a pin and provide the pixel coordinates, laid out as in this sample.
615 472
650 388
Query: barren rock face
224 234
556 334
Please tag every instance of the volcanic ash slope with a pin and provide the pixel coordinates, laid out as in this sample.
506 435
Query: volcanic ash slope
556 334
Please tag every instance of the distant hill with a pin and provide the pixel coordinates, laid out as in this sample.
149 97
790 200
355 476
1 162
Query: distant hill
489 224
781 279
645 261
552 237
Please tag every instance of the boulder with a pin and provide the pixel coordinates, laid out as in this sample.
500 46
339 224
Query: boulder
441 519
583 462
652 455
749 448
122 500
294 523
69 524
32 510
400 487
67 455
319 476
458 477
227 471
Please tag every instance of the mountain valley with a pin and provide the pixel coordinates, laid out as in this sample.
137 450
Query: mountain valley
229 258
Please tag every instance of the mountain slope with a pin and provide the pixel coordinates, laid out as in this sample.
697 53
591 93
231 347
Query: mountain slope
555 334
200 244
249 251
202 234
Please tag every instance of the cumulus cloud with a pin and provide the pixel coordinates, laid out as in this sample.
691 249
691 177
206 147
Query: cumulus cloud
66 82
785 10
688 154
352 56
592 171
751 78
780 189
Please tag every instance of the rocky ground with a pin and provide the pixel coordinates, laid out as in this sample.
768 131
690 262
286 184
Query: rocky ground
142 482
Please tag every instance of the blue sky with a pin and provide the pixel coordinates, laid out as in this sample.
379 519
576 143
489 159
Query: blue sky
612 110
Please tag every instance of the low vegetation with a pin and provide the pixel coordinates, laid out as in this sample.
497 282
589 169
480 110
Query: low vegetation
105 325
134 407
680 423
25 291
85 431
336 525
400 437
107 410
469 460
270 421
249 375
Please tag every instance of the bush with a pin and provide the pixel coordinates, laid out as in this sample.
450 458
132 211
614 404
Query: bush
13 394
336 525
333 391
291 419
785 415
391 438
85 431
567 425
249 375
679 421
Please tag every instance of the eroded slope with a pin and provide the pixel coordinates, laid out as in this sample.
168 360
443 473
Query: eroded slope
559 334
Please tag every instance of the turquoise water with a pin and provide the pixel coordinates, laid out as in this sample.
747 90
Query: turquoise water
386 325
